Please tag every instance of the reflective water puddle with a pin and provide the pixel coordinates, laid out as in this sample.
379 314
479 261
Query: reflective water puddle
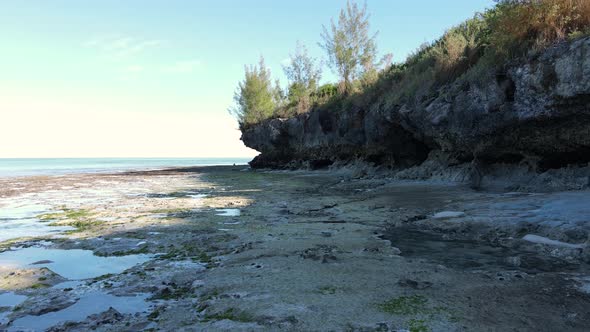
22 211
88 304
228 212
75 264
18 220
7 302
11 300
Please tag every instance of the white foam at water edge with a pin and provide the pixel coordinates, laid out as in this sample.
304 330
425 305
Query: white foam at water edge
543 240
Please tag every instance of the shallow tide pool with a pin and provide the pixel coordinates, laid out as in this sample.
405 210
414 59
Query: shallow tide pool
19 220
8 301
89 304
74 264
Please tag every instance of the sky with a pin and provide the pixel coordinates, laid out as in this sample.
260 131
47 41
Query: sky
147 78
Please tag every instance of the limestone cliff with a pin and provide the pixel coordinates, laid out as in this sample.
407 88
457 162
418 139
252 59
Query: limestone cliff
536 110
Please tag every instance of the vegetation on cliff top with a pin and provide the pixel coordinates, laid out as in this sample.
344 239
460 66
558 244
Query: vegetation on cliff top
473 52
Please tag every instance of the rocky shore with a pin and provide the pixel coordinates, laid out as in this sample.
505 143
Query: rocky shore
529 118
232 249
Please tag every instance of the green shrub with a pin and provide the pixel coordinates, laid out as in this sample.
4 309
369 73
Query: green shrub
324 93
255 99
519 25
475 49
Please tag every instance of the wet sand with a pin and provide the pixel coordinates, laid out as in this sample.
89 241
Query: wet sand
228 249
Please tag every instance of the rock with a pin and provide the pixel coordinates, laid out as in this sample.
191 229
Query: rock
576 234
108 317
243 247
197 284
100 320
414 284
414 218
378 327
513 261
323 253
47 305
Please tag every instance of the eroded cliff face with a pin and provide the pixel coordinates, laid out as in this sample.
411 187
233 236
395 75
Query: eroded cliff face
537 111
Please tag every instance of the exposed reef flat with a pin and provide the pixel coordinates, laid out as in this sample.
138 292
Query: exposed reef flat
231 249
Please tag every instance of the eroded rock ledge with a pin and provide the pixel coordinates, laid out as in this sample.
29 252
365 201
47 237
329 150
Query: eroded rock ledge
535 112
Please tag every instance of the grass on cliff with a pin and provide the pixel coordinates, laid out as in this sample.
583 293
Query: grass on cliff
473 52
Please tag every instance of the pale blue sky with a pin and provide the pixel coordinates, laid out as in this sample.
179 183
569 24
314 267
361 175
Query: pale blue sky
154 78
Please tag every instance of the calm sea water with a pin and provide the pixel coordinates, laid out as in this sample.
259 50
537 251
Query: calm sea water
10 167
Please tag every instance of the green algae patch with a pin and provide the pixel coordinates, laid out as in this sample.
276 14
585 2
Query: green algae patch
406 305
211 294
327 290
81 225
421 311
6 245
418 325
77 214
231 314
154 315
173 293
39 286
65 213
168 211
143 250
188 251
103 277
77 218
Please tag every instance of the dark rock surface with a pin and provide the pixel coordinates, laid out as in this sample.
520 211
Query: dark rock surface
535 112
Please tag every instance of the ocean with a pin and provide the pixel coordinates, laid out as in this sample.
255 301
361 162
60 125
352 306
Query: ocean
15 167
